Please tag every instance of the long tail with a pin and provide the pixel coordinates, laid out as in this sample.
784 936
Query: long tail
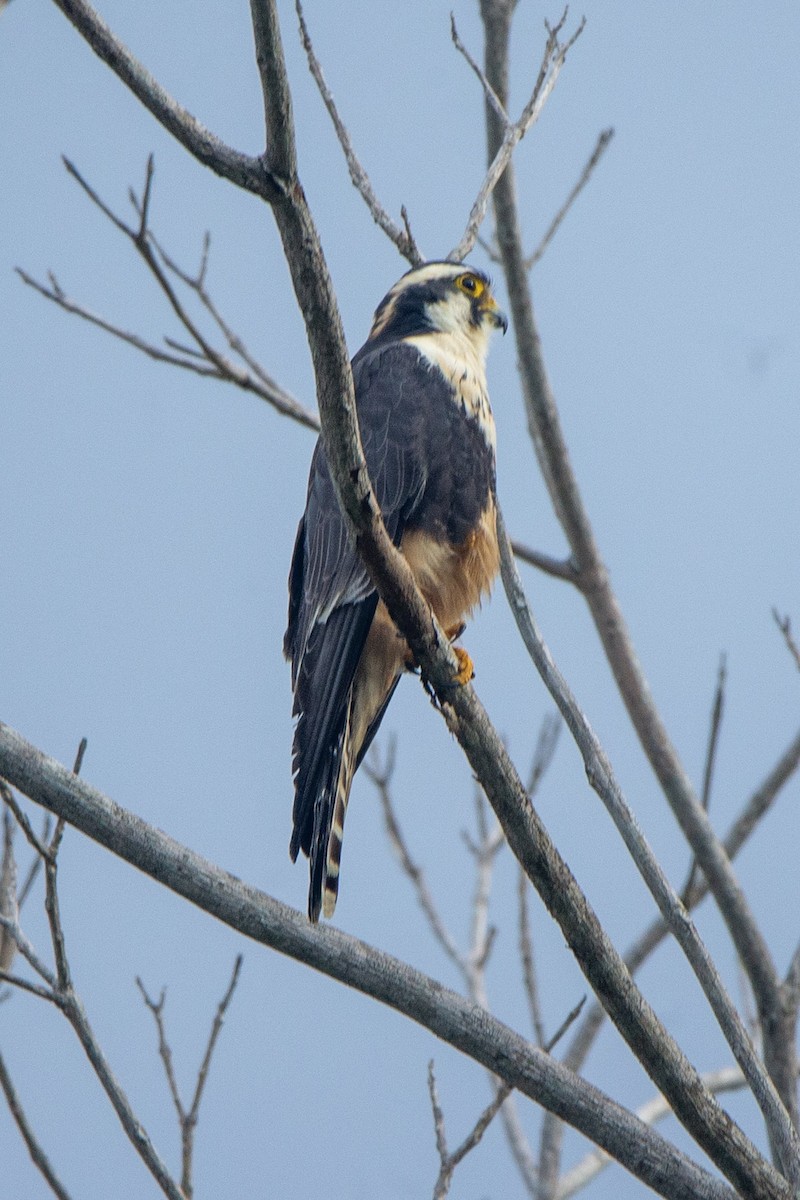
333 851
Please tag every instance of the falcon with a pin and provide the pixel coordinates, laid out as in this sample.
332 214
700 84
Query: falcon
429 442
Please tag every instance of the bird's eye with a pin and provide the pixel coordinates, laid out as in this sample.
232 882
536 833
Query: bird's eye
469 284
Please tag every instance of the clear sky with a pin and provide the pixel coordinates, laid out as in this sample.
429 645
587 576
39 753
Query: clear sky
148 516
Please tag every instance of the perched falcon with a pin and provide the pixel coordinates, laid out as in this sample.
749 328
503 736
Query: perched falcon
429 442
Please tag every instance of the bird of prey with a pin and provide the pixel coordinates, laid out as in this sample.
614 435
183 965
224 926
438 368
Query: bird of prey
429 442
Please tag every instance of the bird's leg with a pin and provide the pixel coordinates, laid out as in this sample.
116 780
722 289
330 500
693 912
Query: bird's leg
466 669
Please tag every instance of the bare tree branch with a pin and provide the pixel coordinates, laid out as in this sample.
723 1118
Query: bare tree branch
557 567
785 626
246 172
555 53
450 1017
187 1118
565 1026
40 1159
601 778
554 459
402 237
603 142
447 1161
203 358
728 1079
711 753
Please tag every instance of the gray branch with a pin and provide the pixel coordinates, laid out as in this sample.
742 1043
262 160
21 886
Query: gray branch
553 456
453 1019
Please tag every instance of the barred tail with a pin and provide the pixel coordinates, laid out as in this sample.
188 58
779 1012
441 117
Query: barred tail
333 855
326 850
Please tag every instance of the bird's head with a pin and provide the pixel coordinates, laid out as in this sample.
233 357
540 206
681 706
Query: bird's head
439 297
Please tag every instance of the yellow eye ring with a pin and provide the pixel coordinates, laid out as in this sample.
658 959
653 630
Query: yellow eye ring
470 284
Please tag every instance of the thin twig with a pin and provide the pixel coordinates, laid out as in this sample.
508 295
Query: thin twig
164 1050
566 1024
40 1159
448 1162
488 91
529 977
603 142
380 775
557 567
555 53
36 862
187 1118
546 742
711 752
9 906
216 1027
205 361
785 626
402 237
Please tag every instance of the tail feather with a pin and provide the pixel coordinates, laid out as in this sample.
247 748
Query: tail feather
333 855
325 768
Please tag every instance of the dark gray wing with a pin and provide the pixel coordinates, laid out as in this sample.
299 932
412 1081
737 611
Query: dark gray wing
331 599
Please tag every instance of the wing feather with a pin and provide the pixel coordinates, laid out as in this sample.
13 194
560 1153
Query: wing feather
331 599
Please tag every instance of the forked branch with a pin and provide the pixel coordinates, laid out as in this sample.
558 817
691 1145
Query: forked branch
202 357
188 1117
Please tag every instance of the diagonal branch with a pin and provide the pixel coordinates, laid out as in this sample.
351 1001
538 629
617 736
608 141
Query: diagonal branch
402 237
40 1159
756 807
594 582
449 1161
389 572
601 778
785 626
601 146
555 53
246 172
203 360
455 1020
471 964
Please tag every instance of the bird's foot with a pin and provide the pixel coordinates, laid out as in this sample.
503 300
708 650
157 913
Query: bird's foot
466 670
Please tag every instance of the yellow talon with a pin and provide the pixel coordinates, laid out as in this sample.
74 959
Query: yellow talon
466 670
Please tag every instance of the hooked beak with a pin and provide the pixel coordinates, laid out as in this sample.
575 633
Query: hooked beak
494 313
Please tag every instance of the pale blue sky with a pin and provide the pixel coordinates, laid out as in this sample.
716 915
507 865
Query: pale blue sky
148 519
